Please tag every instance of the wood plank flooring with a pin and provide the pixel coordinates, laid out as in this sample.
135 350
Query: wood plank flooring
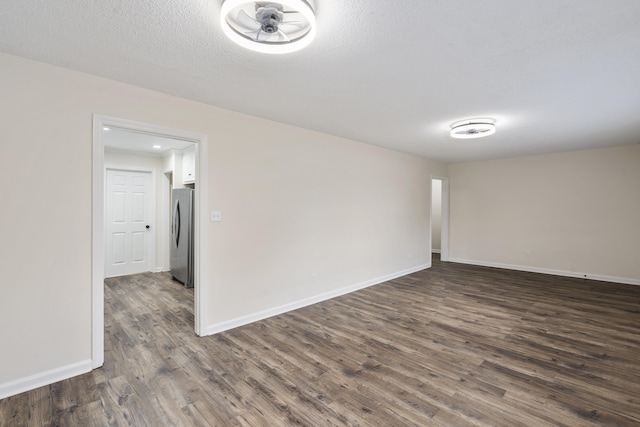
455 345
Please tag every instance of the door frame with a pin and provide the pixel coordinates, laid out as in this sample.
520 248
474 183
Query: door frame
444 225
98 228
151 255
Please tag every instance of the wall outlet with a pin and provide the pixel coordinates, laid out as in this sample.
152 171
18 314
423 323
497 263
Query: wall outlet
527 253
314 278
216 216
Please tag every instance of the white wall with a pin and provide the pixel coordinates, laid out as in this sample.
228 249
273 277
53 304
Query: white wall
294 203
130 161
436 215
571 213
345 211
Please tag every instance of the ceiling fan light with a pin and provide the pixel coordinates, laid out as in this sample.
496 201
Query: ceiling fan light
473 128
282 44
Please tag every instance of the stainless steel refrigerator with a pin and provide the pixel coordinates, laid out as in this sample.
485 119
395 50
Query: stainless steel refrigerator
182 236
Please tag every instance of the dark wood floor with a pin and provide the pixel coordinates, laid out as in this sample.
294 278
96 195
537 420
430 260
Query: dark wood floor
454 345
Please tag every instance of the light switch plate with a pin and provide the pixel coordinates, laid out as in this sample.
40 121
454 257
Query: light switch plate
216 216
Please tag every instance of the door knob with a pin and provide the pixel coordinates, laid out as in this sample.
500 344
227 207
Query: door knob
147 227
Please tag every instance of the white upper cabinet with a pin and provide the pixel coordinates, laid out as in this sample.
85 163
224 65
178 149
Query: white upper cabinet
189 165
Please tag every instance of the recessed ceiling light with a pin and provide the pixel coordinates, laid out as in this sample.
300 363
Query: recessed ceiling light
157 147
106 128
473 128
271 27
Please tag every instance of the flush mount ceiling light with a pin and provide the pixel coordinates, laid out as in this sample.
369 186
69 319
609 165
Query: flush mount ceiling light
270 27
473 128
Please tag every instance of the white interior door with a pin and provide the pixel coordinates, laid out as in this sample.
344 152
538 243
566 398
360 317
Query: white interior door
128 222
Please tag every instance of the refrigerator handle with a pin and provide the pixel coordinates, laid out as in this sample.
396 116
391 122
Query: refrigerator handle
176 222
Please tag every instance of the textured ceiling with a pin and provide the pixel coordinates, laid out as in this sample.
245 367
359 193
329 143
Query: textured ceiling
556 75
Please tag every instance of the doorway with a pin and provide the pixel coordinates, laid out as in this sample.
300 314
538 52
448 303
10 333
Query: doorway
102 124
439 224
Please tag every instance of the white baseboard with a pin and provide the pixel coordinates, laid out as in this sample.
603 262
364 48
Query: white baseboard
588 276
436 251
254 317
44 378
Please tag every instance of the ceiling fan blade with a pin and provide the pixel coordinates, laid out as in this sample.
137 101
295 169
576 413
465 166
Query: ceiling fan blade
262 36
296 24
282 37
247 22
253 34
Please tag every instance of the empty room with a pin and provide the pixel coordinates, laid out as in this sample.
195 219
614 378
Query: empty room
320 213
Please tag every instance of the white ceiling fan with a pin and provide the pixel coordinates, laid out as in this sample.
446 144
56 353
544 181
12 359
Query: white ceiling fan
271 27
